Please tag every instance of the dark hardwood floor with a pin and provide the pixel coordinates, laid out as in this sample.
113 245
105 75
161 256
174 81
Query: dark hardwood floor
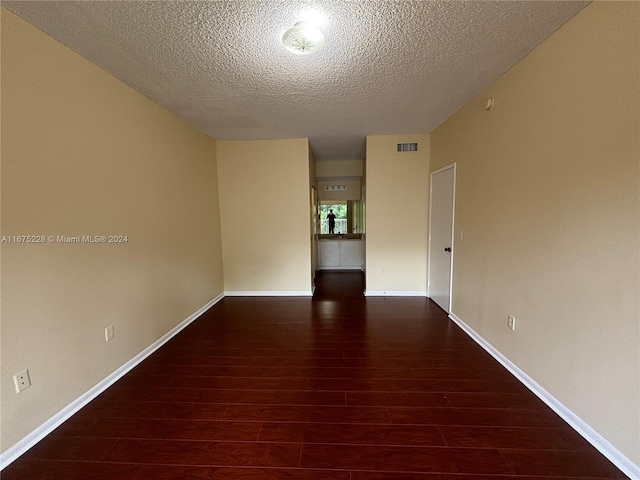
338 387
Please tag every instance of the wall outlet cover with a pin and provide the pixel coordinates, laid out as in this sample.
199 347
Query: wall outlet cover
108 333
22 380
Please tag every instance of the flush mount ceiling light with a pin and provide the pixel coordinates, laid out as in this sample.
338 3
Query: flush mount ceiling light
303 38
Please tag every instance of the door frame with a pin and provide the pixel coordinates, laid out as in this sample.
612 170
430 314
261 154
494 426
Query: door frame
453 229
314 235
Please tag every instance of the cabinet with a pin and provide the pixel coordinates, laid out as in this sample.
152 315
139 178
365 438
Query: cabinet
340 254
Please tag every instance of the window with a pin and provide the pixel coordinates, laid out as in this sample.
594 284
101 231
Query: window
340 211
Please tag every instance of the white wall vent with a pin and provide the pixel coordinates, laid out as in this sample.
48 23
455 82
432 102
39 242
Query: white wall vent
407 147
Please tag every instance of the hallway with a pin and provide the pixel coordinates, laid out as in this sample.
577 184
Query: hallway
338 387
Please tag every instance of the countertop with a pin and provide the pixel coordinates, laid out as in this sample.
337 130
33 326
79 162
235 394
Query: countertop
349 236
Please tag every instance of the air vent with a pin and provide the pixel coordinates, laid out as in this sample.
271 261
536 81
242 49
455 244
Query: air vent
407 147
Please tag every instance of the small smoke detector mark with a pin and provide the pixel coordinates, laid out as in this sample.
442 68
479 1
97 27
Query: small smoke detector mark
333 188
407 147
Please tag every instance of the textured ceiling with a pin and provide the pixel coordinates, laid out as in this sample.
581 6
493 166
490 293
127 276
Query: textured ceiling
388 66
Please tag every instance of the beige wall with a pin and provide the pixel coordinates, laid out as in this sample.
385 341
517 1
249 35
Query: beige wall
313 215
397 212
83 154
339 172
548 200
351 193
264 201
363 213
339 168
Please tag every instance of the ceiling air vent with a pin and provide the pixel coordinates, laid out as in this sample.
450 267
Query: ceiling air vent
407 147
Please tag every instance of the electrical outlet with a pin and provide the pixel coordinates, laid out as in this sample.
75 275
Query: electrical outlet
22 380
108 333
382 271
511 322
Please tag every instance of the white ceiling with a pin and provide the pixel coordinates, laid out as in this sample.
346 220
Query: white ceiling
388 66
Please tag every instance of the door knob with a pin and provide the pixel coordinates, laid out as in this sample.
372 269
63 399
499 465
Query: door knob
448 249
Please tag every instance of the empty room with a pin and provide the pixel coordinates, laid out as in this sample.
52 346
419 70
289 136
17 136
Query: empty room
350 240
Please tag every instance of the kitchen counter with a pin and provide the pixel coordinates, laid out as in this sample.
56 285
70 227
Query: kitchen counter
346 236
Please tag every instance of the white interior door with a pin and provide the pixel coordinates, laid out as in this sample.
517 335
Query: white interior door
442 198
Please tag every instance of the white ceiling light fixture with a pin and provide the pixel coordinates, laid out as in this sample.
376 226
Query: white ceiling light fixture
313 16
303 38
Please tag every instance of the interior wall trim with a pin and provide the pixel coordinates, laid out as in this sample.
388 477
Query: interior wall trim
269 293
593 437
395 293
12 453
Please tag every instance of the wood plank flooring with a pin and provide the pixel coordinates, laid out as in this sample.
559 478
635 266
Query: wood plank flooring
338 387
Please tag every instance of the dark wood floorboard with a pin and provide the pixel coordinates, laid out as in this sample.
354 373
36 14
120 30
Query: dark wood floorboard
337 387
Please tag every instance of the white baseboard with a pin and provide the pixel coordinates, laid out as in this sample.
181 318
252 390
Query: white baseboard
594 438
395 293
265 293
12 453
